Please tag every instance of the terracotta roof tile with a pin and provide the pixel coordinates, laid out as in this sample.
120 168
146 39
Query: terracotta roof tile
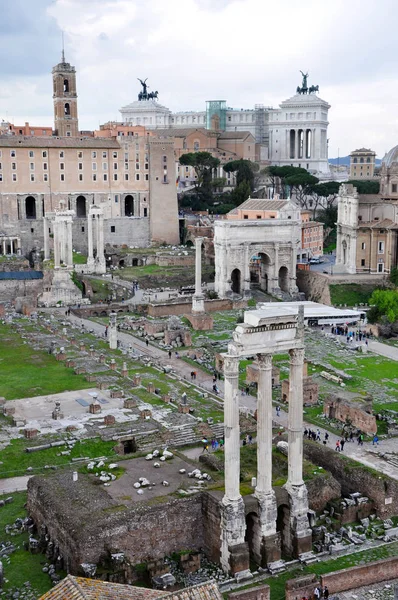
81 588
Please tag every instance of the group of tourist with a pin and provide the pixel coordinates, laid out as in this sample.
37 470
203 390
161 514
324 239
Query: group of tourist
319 593
356 335
215 444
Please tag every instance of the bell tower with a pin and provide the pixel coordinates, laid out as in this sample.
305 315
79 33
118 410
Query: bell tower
65 99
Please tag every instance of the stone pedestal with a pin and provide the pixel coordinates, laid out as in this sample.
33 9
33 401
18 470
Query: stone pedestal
146 413
82 346
137 379
234 550
112 331
30 433
150 388
112 365
130 403
183 408
166 398
57 415
109 420
300 532
94 408
60 356
124 371
102 359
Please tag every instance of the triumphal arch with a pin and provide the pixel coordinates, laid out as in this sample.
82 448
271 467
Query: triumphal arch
263 333
265 247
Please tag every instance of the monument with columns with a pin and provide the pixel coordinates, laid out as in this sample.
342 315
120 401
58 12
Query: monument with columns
199 319
95 238
263 333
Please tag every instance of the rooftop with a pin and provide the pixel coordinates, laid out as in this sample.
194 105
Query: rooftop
261 204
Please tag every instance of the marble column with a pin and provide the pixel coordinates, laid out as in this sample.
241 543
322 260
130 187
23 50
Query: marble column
234 550
198 304
112 331
56 245
246 287
69 243
90 237
301 535
268 543
100 238
4 247
46 239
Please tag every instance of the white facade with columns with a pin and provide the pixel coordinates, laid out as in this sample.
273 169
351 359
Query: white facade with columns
265 332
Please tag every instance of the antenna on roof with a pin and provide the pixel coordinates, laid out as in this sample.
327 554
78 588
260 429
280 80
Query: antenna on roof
63 49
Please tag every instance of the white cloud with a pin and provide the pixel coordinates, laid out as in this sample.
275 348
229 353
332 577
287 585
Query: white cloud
243 51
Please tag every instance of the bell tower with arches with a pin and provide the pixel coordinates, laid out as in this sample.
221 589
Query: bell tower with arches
65 99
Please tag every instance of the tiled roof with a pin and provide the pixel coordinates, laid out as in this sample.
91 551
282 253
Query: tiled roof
262 204
17 141
182 131
81 588
234 135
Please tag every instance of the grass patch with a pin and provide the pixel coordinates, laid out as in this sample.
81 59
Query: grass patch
23 566
29 372
79 259
351 294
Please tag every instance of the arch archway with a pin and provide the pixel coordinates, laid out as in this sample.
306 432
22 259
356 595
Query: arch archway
129 206
252 535
30 207
81 207
262 264
67 109
283 527
283 279
236 281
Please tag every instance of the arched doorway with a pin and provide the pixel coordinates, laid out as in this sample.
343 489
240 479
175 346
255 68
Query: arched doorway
283 279
81 207
252 536
283 527
30 207
129 206
263 269
235 281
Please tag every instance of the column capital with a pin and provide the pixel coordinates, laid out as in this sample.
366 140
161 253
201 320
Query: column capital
297 356
264 362
231 366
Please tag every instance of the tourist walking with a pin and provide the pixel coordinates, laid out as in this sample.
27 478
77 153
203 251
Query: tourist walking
278 410
317 593
338 446
375 440
325 593
342 442
169 353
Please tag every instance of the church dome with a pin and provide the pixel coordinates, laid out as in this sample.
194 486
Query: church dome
391 157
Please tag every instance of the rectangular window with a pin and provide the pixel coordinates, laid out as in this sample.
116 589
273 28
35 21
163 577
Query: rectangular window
113 228
31 154
62 166
126 176
363 246
32 166
126 156
116 198
80 154
104 155
115 166
394 188
126 166
146 177
1 177
104 166
80 176
115 177
82 229
94 177
80 166
381 247
137 166
93 155
105 177
14 176
94 166
12 153
13 166
61 154
44 166
165 159
44 153
137 177
145 211
146 166
32 177
62 177
45 177
245 216
362 262
114 154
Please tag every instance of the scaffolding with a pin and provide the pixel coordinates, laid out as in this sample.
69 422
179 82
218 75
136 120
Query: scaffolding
261 124
216 115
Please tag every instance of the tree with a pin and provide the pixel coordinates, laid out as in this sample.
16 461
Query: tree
204 164
385 305
328 216
324 195
278 176
394 276
244 169
365 187
301 186
241 193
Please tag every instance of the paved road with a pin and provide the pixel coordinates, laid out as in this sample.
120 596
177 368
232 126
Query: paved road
14 484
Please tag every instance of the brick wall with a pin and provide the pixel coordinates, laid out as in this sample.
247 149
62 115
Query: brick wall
181 308
338 409
348 579
301 587
261 592
356 478
314 285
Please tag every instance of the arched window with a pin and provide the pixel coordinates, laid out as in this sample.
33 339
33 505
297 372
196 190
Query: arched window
66 85
368 160
361 160
129 206
30 207
67 108
355 160
81 207
196 146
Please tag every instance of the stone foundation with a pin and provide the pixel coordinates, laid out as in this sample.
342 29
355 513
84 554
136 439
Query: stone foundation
201 322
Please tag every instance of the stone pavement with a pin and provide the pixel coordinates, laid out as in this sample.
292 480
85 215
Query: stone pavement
14 484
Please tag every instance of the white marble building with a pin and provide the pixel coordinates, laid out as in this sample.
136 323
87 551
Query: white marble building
293 134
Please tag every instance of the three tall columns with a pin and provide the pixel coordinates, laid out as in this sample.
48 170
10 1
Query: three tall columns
266 539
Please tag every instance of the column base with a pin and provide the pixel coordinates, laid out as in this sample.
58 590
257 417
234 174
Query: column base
198 304
234 549
300 531
268 545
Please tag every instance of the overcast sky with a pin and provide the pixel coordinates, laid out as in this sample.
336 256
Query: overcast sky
244 51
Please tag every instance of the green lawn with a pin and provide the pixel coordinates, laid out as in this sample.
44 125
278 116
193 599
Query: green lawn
28 372
79 259
351 294
16 460
23 566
